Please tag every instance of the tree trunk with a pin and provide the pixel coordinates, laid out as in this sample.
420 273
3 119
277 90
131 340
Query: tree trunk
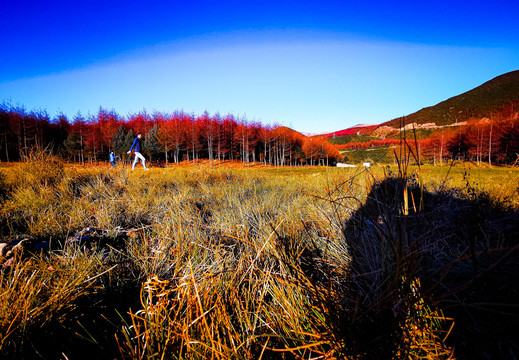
490 145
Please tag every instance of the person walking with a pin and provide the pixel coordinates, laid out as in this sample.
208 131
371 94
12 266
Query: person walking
136 147
112 160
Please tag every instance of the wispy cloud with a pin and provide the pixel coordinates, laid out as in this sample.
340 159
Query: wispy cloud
315 82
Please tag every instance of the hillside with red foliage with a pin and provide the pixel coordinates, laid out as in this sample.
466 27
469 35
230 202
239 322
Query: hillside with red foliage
479 125
485 140
355 130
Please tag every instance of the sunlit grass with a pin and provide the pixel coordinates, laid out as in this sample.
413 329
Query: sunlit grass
225 261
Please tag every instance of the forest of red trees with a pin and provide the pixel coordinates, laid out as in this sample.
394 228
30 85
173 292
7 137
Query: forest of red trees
168 138
177 137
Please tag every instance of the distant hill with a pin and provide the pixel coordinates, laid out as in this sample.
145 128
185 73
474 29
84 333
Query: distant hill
291 131
491 97
355 130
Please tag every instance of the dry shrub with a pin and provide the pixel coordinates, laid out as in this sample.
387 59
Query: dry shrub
39 169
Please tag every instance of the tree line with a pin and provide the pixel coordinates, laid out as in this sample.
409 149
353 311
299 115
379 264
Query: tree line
483 140
486 140
168 138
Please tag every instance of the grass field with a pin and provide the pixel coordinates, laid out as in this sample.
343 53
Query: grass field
232 262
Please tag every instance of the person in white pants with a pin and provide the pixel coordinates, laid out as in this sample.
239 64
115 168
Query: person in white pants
136 147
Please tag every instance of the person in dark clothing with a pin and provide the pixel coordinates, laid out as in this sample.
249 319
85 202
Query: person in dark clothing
136 147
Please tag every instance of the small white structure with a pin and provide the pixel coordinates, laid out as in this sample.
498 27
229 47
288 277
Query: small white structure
366 164
345 165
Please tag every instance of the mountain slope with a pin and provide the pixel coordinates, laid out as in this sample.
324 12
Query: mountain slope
480 102
354 130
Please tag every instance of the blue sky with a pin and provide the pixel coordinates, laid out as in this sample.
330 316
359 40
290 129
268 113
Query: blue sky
315 66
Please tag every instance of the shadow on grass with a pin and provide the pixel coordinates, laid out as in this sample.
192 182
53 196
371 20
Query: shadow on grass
460 246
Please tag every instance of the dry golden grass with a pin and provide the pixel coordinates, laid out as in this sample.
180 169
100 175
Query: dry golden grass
220 262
